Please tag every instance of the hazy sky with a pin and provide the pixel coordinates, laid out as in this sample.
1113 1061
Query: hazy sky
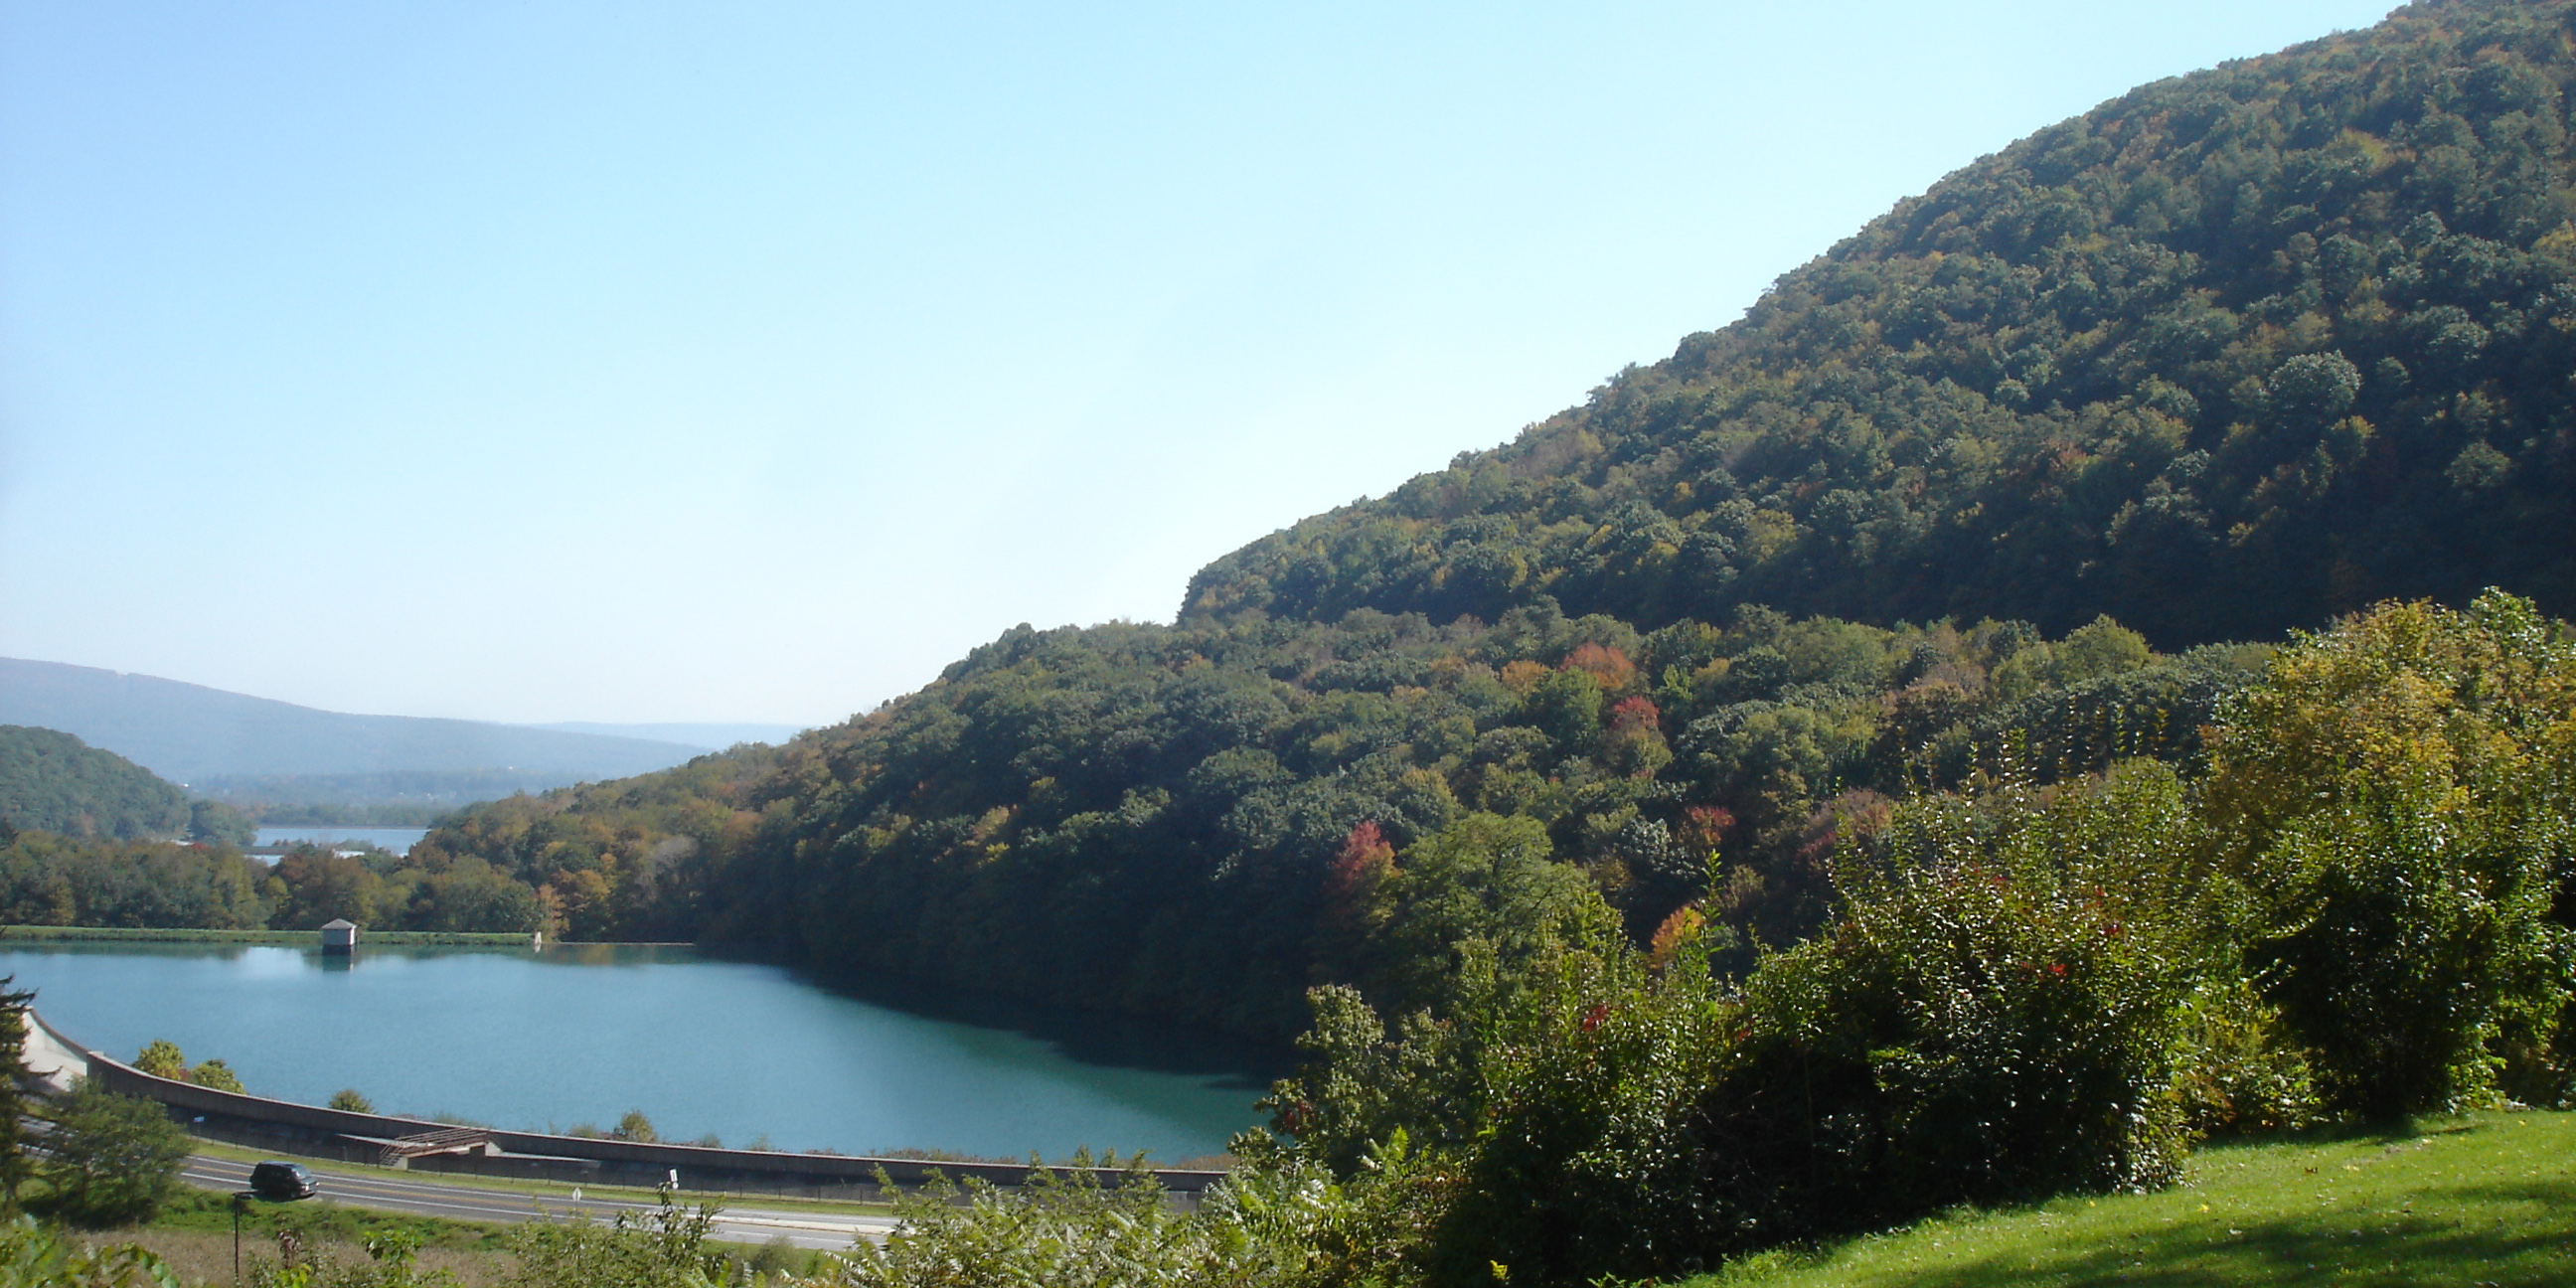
635 361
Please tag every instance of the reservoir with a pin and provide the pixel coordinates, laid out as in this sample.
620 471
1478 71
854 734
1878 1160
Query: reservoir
580 1034
396 840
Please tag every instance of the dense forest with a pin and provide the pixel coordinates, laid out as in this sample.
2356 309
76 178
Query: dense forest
53 782
2228 355
1151 818
1982 492
89 838
52 880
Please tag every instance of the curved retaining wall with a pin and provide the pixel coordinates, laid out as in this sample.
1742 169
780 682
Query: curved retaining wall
699 1167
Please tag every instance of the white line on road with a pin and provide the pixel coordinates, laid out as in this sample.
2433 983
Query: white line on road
465 1203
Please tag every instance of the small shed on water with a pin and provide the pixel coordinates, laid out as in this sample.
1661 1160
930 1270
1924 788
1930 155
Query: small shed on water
339 936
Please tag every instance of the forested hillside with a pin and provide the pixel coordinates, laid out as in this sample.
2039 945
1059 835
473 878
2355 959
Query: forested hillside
2222 357
1975 499
53 782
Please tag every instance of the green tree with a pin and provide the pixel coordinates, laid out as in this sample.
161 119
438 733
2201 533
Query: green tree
14 1020
215 1075
2396 798
347 1100
634 1126
215 823
110 1160
161 1058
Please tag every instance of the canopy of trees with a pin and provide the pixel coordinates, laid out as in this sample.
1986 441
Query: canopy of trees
1181 820
54 782
2225 356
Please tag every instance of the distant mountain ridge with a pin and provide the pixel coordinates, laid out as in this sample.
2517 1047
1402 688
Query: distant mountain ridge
713 736
188 732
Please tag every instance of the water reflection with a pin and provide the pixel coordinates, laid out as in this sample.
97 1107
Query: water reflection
1097 1037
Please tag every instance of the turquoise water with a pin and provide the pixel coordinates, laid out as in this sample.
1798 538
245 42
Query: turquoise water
580 1034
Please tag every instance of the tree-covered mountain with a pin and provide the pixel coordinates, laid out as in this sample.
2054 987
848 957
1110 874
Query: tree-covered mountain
53 782
2220 359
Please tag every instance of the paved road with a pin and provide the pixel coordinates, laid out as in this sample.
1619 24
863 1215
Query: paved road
389 1191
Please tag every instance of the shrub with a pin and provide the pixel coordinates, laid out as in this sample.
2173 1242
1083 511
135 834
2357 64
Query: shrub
216 1075
112 1160
2396 798
1999 1012
32 1256
161 1059
664 1248
1583 1166
1073 1230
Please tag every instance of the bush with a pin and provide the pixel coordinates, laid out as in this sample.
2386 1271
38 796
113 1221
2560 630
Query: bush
1073 1230
2402 934
32 1256
1999 1013
112 1160
665 1248
161 1059
1583 1166
215 1075
2396 797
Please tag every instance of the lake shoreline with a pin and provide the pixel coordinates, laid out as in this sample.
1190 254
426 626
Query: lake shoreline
283 938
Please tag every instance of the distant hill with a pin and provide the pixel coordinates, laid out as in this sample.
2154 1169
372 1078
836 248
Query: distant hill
187 732
712 737
53 782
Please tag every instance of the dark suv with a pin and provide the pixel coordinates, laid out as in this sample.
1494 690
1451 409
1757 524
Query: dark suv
281 1182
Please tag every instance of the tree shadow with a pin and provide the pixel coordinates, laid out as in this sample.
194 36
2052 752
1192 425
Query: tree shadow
1113 1039
2388 1246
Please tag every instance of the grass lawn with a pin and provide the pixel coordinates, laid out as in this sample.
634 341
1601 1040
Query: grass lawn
194 1234
2487 1198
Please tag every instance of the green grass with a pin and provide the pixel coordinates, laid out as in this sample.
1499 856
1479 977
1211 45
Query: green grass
2482 1199
126 934
204 1210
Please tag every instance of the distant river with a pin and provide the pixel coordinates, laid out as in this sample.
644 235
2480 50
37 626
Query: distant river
582 1033
399 840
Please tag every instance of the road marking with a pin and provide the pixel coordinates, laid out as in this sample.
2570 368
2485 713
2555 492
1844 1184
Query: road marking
457 1202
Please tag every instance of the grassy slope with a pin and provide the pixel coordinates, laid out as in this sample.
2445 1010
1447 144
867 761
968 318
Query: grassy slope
2484 1199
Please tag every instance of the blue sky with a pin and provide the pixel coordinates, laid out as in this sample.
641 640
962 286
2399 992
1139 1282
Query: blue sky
636 361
